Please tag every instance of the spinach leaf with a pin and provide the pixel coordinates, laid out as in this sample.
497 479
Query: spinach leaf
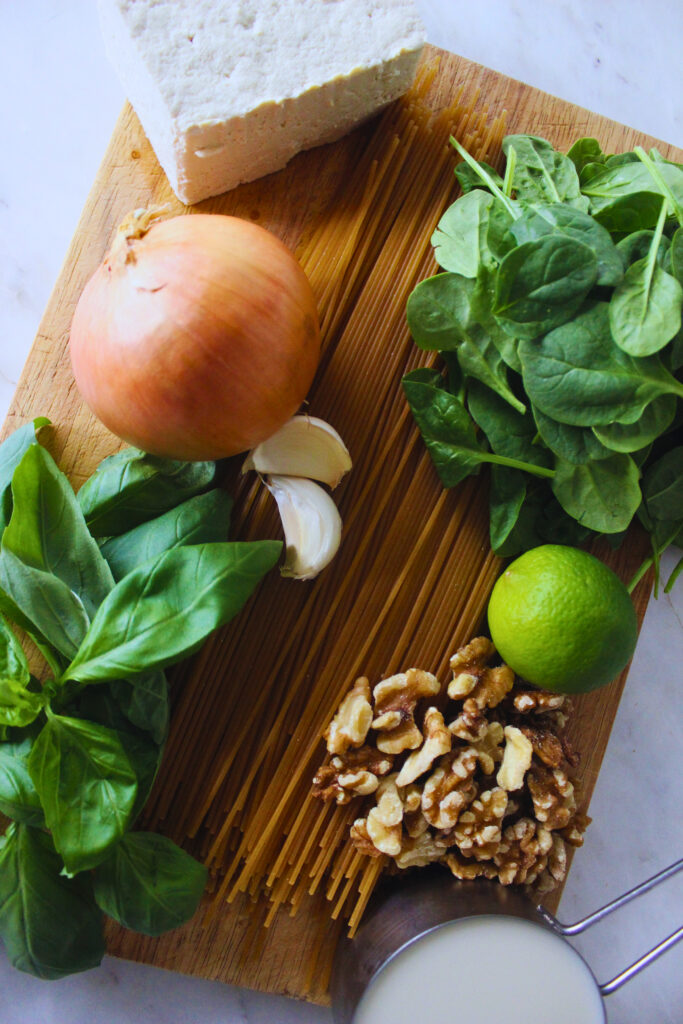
604 495
573 444
131 487
645 309
469 178
449 435
470 233
663 486
149 884
18 796
164 610
11 453
42 604
542 175
625 214
49 924
87 787
577 375
638 244
201 519
508 432
542 284
586 151
540 221
452 312
632 437
506 499
48 533
627 179
677 255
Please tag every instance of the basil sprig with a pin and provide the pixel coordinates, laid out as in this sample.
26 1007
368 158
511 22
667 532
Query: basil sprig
559 318
79 753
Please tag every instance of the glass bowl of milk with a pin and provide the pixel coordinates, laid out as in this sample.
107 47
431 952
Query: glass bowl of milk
431 947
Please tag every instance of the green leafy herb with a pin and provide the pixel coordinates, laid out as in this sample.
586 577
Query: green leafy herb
149 884
19 798
541 284
87 787
198 520
645 309
131 487
165 609
11 453
49 924
576 398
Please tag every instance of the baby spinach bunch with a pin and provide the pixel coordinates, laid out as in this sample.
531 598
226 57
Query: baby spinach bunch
558 317
110 586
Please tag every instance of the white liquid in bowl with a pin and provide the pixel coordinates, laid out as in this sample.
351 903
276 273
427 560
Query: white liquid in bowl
484 970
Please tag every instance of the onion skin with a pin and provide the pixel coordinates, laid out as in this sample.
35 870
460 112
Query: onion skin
197 337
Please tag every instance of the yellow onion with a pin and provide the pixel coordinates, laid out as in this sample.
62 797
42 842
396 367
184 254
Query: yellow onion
197 337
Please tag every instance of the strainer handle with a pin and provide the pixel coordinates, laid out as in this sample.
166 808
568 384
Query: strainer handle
597 915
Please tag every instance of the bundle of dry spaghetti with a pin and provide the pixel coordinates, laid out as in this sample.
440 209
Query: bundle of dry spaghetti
412 576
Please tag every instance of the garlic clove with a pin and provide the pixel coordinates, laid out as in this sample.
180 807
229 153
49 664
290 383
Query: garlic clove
311 522
304 447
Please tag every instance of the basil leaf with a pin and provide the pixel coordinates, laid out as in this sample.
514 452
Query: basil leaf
574 444
49 924
469 233
201 519
48 533
103 706
87 787
42 604
542 284
11 453
577 375
149 884
541 174
18 796
131 487
13 664
163 611
632 437
19 706
144 702
539 222
604 495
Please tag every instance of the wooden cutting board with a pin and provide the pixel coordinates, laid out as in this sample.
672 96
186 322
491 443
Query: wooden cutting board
292 955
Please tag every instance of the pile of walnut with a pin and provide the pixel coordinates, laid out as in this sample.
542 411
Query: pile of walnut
483 786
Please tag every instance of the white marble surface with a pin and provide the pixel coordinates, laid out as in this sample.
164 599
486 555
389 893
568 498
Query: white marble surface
59 104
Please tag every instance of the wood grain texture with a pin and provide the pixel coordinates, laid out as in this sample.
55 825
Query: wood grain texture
293 954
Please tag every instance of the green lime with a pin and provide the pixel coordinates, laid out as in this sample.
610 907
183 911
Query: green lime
562 620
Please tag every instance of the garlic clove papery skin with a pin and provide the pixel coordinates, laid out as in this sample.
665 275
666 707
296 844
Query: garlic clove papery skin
311 523
304 447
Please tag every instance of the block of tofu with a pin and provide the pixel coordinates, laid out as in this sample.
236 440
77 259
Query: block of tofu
230 90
